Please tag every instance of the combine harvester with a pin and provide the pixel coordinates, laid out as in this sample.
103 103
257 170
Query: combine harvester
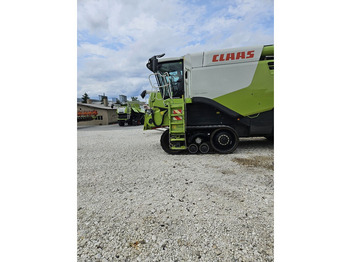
209 100
131 113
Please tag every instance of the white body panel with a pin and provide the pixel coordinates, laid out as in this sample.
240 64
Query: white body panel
216 73
212 82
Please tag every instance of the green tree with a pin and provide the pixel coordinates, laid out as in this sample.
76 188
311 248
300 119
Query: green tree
134 98
85 97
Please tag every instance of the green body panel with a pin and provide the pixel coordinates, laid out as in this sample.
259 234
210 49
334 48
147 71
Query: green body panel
257 97
268 50
159 108
136 107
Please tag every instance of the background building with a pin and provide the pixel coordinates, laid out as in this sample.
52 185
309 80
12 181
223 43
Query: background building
96 113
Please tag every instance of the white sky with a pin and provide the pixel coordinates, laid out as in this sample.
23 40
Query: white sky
116 38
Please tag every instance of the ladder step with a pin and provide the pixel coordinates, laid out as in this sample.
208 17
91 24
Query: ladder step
179 148
177 139
177 134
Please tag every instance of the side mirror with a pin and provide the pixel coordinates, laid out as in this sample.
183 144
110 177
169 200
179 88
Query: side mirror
143 94
153 63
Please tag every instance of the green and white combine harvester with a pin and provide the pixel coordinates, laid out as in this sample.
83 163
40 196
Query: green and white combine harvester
131 113
208 100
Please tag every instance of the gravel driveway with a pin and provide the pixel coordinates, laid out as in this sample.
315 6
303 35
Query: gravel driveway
137 203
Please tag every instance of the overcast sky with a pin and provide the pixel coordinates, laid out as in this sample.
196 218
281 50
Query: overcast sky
116 38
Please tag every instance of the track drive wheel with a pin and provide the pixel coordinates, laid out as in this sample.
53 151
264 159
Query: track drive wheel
224 140
164 142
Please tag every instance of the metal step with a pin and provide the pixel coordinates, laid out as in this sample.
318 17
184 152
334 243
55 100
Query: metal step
177 132
177 127
178 148
177 139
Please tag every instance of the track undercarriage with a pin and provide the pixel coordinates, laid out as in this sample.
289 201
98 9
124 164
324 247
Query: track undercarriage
203 139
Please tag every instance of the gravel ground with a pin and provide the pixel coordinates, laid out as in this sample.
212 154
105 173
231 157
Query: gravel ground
137 203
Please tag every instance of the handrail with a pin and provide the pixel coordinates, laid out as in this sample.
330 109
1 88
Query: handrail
166 86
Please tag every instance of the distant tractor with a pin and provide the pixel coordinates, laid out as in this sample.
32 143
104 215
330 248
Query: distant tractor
131 113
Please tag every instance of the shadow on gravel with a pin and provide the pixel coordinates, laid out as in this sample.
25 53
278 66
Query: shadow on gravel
261 143
83 127
108 127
